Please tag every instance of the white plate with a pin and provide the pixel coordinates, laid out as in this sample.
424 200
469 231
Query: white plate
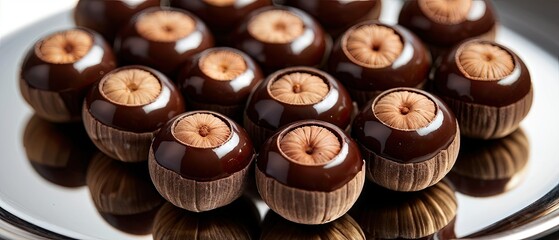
70 211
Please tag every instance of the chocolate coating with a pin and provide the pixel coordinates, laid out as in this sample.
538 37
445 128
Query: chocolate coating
450 82
308 49
403 146
324 177
138 119
409 69
108 17
334 14
166 57
265 111
72 80
481 19
203 164
229 15
195 85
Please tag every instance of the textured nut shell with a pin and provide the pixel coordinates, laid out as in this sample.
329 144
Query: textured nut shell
220 3
130 87
411 176
485 122
342 228
118 144
222 65
196 196
115 191
446 12
48 105
64 47
484 61
165 26
373 46
311 207
405 110
311 89
276 26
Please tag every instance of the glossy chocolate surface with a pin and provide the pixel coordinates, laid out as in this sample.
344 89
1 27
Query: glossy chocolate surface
481 19
221 18
451 82
71 80
197 86
400 145
108 17
60 153
203 164
166 57
267 112
335 13
139 119
325 177
409 69
306 50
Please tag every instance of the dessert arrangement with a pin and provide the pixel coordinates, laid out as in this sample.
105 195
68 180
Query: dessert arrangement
316 107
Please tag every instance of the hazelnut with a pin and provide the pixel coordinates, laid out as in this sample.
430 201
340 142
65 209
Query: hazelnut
60 153
124 110
294 94
371 57
230 12
278 37
491 167
338 15
441 24
219 79
202 153
107 17
123 193
60 68
274 227
238 220
314 162
162 38
425 214
408 137
487 87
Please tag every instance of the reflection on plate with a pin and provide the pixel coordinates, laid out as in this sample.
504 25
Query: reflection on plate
238 220
427 214
491 167
123 194
60 153
275 227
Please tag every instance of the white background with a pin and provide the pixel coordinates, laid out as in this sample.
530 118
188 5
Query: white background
16 14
